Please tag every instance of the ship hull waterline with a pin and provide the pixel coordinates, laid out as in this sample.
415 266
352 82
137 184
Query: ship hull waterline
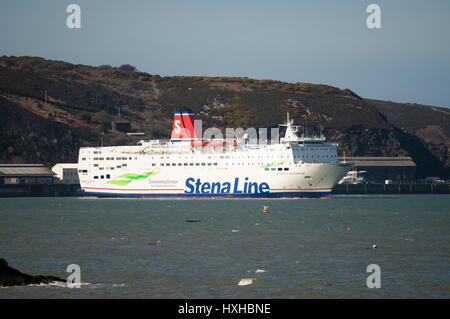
256 184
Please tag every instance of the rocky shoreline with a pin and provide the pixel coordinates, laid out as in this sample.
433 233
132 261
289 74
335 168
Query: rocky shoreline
13 277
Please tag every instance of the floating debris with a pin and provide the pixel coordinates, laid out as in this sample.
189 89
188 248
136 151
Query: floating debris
235 231
256 271
155 243
265 209
192 221
374 246
246 281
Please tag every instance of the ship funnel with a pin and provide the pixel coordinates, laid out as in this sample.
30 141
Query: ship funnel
183 127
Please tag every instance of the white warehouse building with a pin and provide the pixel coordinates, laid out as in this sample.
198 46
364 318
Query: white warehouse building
67 173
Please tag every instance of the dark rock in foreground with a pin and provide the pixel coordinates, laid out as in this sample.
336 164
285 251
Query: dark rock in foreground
12 277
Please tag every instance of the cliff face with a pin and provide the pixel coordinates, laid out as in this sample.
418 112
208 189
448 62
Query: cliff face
48 109
428 123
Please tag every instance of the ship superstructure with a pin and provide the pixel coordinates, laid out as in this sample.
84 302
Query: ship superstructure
189 166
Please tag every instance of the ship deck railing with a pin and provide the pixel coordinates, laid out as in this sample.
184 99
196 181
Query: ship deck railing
167 150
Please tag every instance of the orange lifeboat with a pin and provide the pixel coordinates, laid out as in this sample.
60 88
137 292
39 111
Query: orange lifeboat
216 143
210 143
198 143
235 143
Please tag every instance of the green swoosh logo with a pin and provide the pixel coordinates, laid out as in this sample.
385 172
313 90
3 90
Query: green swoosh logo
273 164
127 178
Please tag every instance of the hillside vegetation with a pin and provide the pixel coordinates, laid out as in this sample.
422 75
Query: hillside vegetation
51 108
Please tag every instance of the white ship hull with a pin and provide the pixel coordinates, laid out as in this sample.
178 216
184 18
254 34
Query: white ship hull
219 182
296 168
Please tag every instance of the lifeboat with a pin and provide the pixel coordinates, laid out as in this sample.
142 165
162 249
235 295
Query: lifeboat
210 143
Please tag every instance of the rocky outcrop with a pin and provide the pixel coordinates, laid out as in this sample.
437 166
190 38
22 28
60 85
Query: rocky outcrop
12 277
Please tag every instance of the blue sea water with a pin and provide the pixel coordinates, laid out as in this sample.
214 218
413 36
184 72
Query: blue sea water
300 248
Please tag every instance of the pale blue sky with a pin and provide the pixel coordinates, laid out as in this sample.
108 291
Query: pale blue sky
317 41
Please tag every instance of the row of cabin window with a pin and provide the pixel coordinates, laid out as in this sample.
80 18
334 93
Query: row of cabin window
314 155
187 164
202 164
303 148
102 176
111 158
130 158
118 166
313 149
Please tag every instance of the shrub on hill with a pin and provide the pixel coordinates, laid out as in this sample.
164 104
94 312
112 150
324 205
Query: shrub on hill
127 68
105 67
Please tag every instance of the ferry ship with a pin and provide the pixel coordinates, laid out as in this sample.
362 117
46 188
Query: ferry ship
189 166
